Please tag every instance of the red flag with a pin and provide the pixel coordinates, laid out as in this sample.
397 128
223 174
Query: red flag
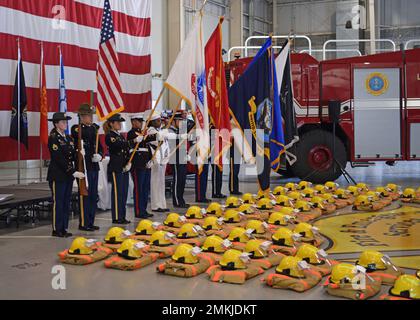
43 126
217 94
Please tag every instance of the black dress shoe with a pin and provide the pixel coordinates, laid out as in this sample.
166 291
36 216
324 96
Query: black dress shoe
58 234
204 201
121 222
146 216
219 196
96 228
88 229
68 235
236 193
182 206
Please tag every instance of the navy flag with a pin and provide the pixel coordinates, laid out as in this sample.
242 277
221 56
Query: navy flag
19 90
251 109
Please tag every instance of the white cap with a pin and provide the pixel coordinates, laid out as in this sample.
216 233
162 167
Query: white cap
137 116
155 115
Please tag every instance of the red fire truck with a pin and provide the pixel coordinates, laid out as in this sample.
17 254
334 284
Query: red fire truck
380 110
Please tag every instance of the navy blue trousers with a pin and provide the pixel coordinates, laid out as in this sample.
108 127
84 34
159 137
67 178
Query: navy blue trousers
178 184
61 194
141 192
119 195
88 204
201 184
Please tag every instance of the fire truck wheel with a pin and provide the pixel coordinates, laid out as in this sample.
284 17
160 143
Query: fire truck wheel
315 156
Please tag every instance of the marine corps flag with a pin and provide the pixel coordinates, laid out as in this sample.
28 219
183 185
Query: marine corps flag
19 106
217 95
251 109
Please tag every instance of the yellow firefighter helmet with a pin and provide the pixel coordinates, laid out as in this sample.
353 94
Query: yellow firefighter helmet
343 273
305 230
232 260
304 185
409 193
303 206
173 220
289 266
215 208
291 186
295 195
115 235
256 249
331 186
246 209
232 216
187 231
283 237
278 219
232 202
309 254
372 260
145 227
355 191
161 239
308 192
81 246
362 201
406 286
284 201
194 212
319 202
184 254
248 198
279 191
214 244
212 223
238 234
131 249
257 225
264 204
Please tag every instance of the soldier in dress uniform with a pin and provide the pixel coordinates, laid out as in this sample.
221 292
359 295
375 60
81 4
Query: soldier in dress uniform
93 154
118 168
61 173
179 168
140 173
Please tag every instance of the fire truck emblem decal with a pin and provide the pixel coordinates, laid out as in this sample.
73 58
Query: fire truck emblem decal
377 84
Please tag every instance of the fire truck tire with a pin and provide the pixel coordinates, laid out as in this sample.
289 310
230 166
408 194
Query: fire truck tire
315 156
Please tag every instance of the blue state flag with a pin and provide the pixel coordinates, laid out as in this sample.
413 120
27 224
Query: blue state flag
62 98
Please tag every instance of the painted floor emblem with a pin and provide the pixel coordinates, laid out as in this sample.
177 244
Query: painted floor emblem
394 230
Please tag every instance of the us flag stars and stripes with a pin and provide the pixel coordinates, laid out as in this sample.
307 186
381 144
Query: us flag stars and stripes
109 85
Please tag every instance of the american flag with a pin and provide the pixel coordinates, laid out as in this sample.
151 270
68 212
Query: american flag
75 27
109 87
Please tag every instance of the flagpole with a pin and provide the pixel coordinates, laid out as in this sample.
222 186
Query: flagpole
18 111
147 124
40 113
167 127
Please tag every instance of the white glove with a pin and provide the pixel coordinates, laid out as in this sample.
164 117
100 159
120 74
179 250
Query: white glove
188 158
139 139
127 168
183 136
149 164
79 175
96 158
83 152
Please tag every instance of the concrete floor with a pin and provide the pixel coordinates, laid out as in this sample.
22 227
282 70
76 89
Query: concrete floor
29 254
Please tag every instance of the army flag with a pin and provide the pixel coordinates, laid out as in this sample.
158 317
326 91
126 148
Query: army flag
43 110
